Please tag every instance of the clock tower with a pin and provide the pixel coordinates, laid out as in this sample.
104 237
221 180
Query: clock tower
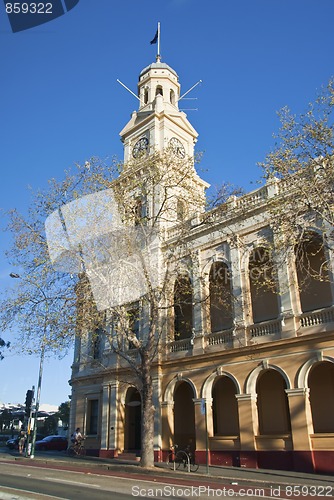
159 126
158 123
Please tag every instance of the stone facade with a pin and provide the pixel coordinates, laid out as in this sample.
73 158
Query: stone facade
252 382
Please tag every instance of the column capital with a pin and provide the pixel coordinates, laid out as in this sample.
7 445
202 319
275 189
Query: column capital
246 397
299 391
166 404
198 401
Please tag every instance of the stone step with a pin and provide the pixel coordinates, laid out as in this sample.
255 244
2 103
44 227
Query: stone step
128 456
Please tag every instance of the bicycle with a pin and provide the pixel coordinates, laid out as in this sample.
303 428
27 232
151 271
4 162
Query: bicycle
76 450
181 458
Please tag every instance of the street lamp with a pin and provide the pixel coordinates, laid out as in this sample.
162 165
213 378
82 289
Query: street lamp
41 362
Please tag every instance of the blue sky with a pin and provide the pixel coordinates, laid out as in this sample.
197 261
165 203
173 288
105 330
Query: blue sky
60 102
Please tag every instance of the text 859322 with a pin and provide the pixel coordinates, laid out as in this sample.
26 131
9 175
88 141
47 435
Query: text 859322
29 8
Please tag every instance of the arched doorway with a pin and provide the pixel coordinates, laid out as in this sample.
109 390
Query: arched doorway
184 416
132 428
272 404
321 384
225 408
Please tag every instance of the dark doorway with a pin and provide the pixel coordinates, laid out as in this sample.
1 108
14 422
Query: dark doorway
132 430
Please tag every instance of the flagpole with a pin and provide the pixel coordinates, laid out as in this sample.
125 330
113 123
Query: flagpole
158 54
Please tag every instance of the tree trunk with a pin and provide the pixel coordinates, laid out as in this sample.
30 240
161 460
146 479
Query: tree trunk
147 435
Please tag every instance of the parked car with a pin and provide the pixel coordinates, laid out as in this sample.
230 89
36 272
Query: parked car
13 443
57 443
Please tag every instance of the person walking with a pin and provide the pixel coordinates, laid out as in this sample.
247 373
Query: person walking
22 440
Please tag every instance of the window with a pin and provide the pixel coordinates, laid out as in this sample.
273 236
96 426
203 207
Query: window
145 96
141 211
312 271
97 343
159 90
180 210
133 319
183 308
172 96
262 286
221 310
92 416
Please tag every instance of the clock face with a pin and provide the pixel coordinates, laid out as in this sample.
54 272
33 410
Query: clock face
140 147
177 147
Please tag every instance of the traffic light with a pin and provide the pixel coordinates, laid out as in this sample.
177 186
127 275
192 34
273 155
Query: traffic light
29 398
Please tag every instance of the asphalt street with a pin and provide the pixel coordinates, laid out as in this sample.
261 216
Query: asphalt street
54 475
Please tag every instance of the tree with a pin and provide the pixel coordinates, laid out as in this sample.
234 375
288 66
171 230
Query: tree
102 220
301 168
3 344
50 425
63 413
6 418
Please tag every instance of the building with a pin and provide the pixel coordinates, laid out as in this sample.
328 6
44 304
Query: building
251 377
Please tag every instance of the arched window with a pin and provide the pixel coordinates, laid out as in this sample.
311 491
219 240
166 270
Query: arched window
180 210
221 310
141 211
183 308
97 338
272 403
262 286
172 96
312 272
159 90
225 408
133 318
321 384
145 96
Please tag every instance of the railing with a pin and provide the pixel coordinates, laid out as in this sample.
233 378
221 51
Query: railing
252 199
181 345
319 317
223 211
218 338
271 327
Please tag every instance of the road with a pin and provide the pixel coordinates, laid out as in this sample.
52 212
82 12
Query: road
56 476
20 481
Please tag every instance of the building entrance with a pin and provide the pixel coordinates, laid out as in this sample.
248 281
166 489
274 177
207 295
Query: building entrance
132 434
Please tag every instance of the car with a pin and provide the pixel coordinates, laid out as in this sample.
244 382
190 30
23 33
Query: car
13 443
58 443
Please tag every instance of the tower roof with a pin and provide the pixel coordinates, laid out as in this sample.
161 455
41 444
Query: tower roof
157 65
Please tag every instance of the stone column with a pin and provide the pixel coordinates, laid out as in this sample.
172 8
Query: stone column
198 304
109 446
238 285
200 406
301 428
329 254
105 420
167 426
248 422
287 285
157 418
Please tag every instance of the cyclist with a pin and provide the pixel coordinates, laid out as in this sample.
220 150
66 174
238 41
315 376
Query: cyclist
76 437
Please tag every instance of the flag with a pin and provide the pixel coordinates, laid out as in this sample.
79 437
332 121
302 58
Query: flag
155 39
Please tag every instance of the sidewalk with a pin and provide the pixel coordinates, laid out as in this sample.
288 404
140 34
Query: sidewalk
263 477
